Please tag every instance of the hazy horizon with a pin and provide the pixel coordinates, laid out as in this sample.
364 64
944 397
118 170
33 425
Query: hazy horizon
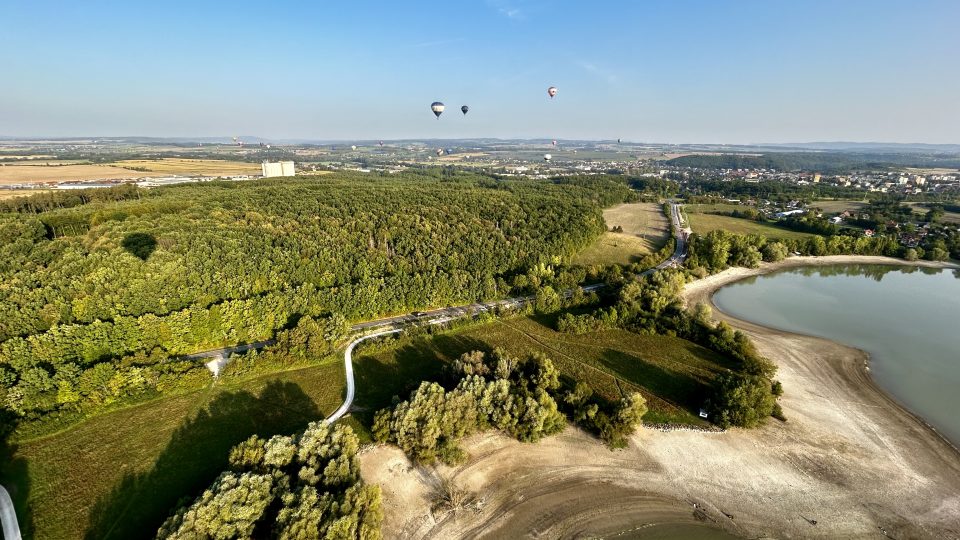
670 72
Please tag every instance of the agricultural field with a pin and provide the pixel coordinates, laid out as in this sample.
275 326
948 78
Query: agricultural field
14 193
39 174
34 173
645 230
704 223
118 474
673 374
200 167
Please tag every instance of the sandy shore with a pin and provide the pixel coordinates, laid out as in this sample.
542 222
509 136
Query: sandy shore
850 462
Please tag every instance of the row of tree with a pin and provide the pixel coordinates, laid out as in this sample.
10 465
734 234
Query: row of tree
499 391
720 249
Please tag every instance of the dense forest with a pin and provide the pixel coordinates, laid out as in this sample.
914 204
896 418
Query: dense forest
828 162
100 279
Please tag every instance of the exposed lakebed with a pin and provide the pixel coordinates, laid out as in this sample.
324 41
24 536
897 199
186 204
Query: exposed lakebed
906 318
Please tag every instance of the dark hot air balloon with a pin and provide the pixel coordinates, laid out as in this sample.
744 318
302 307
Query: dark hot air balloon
552 91
464 109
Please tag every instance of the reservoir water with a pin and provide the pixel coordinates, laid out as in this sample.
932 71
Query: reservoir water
906 318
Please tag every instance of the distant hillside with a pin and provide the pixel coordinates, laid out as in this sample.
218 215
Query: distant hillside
873 147
831 162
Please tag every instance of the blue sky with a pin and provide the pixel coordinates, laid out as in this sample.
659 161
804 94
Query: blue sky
644 70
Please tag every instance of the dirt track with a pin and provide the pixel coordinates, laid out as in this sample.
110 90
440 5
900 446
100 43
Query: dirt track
850 459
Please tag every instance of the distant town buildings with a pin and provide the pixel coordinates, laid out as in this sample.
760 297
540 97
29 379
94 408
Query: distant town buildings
279 168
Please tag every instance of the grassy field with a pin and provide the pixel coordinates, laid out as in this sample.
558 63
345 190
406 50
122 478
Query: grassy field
118 475
645 230
838 206
921 209
702 223
673 374
27 173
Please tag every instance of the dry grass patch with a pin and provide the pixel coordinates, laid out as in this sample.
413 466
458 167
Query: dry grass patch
201 167
645 230
6 194
33 174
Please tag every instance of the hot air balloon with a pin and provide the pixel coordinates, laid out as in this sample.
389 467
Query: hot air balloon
618 141
437 108
381 144
547 157
353 147
554 142
439 150
552 91
464 109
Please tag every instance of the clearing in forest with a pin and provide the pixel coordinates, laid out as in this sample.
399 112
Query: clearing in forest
645 230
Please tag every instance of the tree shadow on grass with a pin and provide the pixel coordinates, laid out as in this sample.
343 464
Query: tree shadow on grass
397 372
196 454
13 474
678 388
140 245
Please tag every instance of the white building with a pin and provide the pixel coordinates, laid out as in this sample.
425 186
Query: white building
280 168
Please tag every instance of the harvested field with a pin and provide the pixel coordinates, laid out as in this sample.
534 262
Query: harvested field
6 194
39 174
36 173
202 167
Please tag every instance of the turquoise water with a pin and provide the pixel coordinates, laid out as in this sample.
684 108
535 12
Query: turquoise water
908 319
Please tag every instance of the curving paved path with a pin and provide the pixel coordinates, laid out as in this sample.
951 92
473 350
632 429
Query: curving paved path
348 367
11 529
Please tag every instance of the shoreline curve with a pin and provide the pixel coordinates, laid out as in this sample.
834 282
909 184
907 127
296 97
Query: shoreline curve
703 291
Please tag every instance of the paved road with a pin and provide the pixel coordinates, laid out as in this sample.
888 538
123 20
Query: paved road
11 529
348 367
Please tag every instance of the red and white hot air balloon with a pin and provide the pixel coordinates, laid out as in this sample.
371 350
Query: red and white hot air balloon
552 91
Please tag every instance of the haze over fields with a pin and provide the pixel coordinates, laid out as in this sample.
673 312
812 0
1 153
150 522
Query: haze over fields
407 270
660 71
